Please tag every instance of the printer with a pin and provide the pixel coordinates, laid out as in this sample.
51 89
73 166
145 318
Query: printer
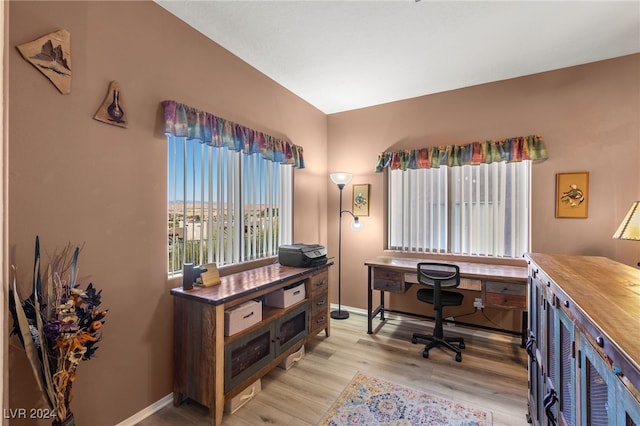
302 255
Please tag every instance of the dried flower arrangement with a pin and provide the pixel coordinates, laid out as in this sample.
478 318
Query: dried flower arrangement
58 325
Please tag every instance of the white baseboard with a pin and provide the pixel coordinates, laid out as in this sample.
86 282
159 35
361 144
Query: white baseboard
146 412
156 406
334 306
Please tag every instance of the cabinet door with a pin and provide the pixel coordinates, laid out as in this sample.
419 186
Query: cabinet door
536 392
536 307
627 406
246 355
597 395
566 370
291 328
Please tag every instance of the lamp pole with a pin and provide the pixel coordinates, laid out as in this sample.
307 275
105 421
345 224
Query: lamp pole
341 179
340 314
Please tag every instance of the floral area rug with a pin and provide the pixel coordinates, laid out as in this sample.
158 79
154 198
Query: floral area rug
368 401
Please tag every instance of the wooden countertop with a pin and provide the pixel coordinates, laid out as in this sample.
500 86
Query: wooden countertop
246 282
484 271
607 292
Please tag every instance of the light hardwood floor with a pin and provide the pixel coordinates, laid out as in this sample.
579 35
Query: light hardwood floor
492 374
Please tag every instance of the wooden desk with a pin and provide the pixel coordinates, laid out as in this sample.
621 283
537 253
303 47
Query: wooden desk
206 363
500 286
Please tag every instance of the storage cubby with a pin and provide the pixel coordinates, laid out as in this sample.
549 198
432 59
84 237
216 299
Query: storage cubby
251 351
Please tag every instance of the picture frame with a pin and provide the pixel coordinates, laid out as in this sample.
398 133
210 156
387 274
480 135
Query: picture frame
360 200
572 195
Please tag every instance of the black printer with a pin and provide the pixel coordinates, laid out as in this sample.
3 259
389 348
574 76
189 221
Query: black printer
302 255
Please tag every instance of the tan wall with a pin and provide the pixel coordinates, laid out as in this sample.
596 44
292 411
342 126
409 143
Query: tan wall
588 115
74 179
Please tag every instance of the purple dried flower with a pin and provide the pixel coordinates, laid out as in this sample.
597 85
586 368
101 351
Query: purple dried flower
52 331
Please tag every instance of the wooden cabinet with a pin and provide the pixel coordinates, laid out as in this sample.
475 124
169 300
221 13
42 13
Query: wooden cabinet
210 368
584 341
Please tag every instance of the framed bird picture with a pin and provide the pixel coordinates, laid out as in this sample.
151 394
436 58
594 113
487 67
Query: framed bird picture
361 199
572 195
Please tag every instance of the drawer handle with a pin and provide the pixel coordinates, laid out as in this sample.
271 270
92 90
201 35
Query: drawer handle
566 303
320 302
321 320
548 283
320 283
248 315
600 341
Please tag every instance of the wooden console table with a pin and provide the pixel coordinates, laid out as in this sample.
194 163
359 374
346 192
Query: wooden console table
207 367
500 286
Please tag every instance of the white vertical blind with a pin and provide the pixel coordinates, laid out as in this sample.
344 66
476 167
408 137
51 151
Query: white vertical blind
286 204
472 209
225 206
417 210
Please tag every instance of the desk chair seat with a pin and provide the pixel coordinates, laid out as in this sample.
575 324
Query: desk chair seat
447 298
436 276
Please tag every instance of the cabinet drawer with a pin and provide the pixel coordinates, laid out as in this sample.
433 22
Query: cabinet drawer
388 280
505 294
319 304
319 283
470 284
317 322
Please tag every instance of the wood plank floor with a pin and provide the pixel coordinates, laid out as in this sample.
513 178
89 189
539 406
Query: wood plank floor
492 374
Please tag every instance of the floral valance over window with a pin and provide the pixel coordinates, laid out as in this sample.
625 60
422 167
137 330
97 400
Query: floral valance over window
183 121
512 149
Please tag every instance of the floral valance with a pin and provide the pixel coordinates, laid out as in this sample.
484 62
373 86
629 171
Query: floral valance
183 121
512 149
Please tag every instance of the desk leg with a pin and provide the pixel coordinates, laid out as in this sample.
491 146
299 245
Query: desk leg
369 302
382 305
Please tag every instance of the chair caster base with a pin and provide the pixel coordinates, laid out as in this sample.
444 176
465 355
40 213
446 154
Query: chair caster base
456 344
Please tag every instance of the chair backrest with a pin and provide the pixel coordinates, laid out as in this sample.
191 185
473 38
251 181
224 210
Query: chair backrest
447 274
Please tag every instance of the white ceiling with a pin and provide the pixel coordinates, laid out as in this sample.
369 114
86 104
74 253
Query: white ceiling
344 55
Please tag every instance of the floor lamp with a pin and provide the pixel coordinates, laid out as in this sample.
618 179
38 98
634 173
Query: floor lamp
341 179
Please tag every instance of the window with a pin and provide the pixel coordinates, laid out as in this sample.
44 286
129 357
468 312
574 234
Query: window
469 210
224 206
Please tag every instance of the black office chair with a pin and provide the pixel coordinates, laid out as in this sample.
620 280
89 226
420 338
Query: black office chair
437 276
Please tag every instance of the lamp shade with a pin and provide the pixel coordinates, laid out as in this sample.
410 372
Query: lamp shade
629 229
340 178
